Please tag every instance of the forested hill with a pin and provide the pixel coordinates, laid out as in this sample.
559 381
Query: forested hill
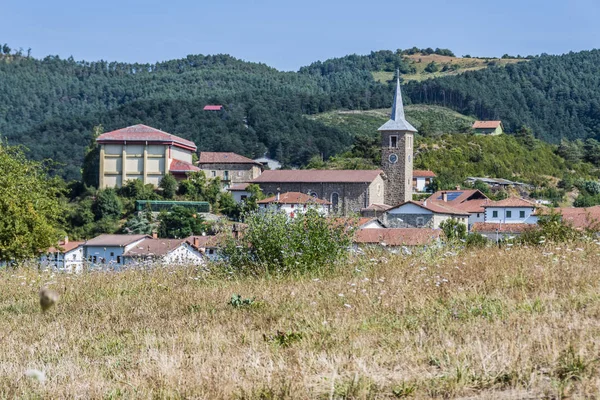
52 105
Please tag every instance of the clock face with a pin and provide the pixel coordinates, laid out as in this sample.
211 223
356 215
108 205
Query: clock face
393 158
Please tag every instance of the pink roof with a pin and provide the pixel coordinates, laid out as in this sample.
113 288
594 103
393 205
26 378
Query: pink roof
511 202
318 176
199 242
142 133
580 218
486 124
293 198
490 227
213 107
468 200
215 157
417 173
65 247
435 207
182 166
397 236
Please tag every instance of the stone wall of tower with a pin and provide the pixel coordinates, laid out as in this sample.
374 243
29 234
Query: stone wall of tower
398 183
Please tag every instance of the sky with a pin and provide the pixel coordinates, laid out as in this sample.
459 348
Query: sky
287 35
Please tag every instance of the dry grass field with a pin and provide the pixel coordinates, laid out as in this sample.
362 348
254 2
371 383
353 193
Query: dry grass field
498 323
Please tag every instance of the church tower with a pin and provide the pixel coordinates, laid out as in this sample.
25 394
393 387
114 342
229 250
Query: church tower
397 138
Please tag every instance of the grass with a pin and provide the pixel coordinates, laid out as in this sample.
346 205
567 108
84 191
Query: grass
420 61
491 323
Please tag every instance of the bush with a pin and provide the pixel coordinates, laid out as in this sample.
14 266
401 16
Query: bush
453 229
551 228
275 244
476 240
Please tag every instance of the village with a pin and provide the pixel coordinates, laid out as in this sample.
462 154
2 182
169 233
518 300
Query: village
377 204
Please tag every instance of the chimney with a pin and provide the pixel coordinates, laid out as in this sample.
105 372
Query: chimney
444 196
277 197
66 240
154 235
457 187
196 242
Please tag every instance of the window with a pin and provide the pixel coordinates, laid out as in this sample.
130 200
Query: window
213 173
118 259
243 197
409 158
226 175
211 251
508 214
494 214
112 254
420 222
74 256
521 214
393 141
313 194
335 201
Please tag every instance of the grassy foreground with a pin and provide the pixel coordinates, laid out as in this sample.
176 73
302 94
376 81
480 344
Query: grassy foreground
495 323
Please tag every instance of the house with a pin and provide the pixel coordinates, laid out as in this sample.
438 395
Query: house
163 252
268 163
142 152
230 167
347 191
293 203
208 245
421 180
467 200
511 211
412 214
397 237
496 232
109 249
211 107
488 127
239 192
67 256
350 191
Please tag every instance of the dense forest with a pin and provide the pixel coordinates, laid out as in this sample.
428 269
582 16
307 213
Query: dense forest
52 105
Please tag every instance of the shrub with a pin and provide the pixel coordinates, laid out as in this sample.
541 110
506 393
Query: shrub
453 229
550 228
476 240
273 243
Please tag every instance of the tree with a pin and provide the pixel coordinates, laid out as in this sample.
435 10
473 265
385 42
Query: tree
90 172
168 184
138 224
432 67
31 211
454 229
107 205
181 222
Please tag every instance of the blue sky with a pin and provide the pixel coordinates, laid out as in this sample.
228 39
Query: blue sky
287 35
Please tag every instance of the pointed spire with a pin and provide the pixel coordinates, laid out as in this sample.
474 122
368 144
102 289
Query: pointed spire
397 120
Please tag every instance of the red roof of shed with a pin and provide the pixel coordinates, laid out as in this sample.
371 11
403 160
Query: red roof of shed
486 124
417 173
213 107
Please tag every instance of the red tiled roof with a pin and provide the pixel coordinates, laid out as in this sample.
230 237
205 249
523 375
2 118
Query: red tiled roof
114 240
65 247
143 133
469 200
213 107
397 236
154 247
199 242
486 124
317 176
471 206
214 157
182 166
581 218
417 173
294 198
490 227
238 187
511 202
435 207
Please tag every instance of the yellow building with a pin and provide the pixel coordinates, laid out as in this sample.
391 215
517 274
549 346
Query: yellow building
145 153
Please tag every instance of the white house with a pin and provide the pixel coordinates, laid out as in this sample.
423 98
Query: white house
421 180
239 192
163 251
67 256
511 211
467 200
294 202
412 214
109 249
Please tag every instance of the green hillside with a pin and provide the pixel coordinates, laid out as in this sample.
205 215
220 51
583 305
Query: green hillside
429 120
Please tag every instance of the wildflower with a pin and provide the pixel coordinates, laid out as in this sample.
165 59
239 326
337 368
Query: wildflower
36 374
341 294
347 306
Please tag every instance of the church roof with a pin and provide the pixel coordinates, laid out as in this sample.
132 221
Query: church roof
317 176
216 157
144 133
397 121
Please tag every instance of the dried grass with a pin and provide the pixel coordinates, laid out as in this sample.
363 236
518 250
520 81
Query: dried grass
493 323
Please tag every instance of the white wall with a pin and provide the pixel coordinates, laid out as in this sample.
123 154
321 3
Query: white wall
295 208
71 261
181 154
476 217
183 255
514 218
237 195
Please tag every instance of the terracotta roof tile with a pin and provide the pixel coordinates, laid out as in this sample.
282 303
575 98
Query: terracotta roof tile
468 200
397 236
489 227
143 133
154 247
435 207
214 157
200 242
293 198
318 176
65 248
182 166
114 240
580 218
511 202
486 124
417 173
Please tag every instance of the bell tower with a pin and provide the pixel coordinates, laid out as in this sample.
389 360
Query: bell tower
397 138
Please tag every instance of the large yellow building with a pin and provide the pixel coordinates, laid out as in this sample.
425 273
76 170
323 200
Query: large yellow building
145 153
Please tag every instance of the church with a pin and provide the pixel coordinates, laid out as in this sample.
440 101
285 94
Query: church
351 191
